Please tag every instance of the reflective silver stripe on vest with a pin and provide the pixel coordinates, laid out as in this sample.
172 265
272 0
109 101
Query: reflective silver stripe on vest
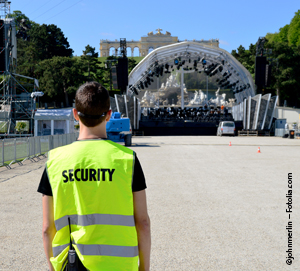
108 250
101 250
58 250
95 219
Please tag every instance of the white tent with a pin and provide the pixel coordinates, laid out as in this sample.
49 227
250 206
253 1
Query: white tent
53 122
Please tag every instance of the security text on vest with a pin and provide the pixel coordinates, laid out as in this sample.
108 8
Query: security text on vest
88 174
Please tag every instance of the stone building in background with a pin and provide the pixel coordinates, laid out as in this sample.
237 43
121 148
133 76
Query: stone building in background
146 44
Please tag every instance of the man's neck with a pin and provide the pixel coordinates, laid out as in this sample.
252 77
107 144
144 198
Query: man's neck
92 132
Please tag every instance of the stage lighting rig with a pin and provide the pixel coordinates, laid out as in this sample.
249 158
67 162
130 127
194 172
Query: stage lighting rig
177 61
167 68
161 71
203 61
228 75
135 90
216 70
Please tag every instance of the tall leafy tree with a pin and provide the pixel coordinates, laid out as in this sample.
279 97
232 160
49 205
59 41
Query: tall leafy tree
91 51
290 33
50 41
285 79
294 30
246 57
60 77
94 71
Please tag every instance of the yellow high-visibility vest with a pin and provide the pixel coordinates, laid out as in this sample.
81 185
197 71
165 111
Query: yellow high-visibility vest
91 182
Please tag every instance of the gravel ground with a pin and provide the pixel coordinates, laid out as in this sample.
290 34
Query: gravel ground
212 206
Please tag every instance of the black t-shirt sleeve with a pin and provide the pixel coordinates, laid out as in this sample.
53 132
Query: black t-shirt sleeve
138 182
44 186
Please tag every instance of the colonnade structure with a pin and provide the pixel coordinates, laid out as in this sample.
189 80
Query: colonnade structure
187 57
146 44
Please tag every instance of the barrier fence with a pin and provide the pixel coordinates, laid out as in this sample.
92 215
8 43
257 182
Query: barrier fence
17 150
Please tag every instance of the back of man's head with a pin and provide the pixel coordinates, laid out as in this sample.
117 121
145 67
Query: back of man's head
92 103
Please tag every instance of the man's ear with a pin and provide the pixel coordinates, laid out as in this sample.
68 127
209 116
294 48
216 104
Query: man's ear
75 113
108 115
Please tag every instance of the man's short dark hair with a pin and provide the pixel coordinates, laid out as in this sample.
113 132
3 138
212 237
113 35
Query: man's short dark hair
92 101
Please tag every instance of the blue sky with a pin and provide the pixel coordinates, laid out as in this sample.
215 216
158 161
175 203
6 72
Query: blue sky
233 22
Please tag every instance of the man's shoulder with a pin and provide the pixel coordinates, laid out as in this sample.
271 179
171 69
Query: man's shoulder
119 146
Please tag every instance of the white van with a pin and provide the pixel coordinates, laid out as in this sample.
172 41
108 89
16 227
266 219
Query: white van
226 128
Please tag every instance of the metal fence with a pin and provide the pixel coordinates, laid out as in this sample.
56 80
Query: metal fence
17 150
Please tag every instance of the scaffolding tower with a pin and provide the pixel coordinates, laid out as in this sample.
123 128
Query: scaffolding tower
17 104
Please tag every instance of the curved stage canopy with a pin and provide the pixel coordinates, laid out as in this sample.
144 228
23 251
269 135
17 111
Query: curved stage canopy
198 57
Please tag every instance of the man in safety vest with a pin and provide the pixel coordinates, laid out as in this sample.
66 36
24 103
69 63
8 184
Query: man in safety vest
94 196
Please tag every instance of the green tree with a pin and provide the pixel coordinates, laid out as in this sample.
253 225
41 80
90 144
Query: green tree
18 16
131 64
294 30
246 57
285 72
60 77
50 41
90 51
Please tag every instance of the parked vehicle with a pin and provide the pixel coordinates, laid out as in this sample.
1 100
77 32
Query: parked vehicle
118 129
226 128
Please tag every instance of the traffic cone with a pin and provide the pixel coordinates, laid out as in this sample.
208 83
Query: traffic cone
230 143
258 150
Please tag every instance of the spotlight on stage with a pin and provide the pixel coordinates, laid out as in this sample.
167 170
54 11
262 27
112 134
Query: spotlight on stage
167 68
161 72
135 90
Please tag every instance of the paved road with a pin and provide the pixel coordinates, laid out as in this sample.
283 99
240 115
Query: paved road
212 206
